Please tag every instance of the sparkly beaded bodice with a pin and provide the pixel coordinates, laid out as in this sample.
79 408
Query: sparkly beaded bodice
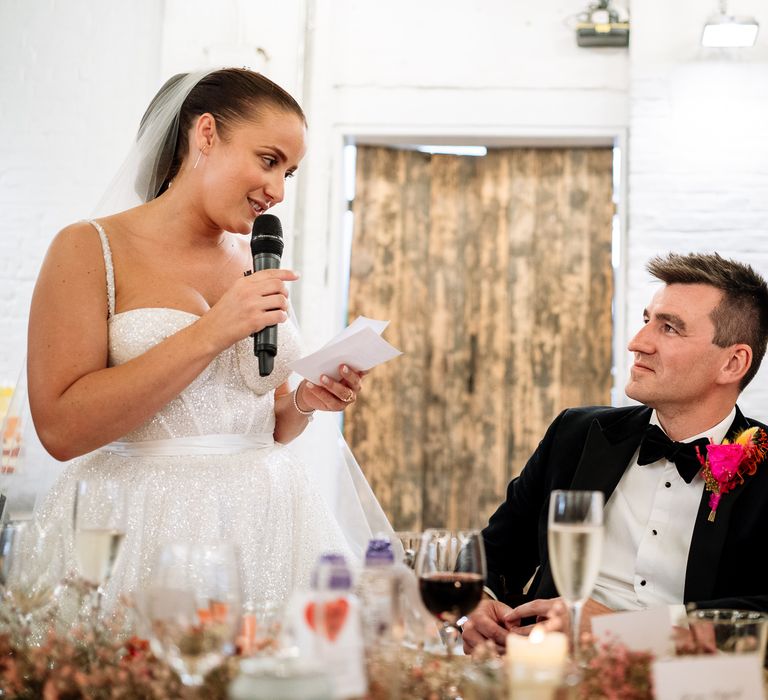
228 396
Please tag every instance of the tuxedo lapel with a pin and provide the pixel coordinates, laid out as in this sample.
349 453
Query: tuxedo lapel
607 452
709 537
604 459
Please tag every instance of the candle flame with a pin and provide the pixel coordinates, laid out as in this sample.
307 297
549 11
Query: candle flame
537 635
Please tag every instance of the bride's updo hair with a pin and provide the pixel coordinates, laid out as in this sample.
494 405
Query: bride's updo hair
231 95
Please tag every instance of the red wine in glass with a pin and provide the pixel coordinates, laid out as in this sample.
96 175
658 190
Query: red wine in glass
450 596
451 569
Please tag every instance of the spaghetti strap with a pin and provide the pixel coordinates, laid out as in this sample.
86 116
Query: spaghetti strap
108 265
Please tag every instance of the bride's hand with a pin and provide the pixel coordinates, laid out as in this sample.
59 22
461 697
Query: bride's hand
330 395
250 304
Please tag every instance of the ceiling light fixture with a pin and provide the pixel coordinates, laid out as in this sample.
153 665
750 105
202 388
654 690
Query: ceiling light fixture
454 150
729 31
601 25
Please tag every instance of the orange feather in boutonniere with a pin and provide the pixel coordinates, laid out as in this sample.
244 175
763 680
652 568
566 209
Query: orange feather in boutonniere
725 466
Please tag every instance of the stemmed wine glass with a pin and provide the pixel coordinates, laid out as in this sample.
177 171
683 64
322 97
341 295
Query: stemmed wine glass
451 571
575 539
31 569
99 519
192 605
410 542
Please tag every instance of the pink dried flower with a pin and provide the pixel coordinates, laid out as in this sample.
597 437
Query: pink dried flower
613 672
724 460
724 466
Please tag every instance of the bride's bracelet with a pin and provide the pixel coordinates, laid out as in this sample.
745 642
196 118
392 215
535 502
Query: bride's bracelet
308 414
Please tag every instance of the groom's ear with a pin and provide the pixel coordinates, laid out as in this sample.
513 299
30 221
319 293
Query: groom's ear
738 360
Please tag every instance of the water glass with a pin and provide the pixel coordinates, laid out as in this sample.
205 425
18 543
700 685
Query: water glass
31 570
192 605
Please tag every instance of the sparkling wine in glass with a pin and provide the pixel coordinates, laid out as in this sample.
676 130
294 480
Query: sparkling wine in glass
192 605
575 539
451 571
100 514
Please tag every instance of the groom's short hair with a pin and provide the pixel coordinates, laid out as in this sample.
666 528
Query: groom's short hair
742 314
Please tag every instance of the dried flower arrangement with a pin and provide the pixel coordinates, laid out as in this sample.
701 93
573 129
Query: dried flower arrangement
93 661
613 672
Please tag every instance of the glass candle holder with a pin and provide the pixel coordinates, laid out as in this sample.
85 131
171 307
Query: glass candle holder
725 631
280 679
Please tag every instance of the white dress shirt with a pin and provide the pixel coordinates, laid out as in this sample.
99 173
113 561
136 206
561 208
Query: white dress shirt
649 522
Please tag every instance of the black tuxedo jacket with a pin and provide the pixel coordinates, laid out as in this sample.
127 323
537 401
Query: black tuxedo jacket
589 449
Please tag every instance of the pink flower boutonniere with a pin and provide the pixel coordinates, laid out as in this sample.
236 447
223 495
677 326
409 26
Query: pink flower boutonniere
725 466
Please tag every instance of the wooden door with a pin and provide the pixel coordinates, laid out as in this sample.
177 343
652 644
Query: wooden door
496 275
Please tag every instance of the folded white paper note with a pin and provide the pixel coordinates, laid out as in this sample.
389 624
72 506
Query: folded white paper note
359 345
640 630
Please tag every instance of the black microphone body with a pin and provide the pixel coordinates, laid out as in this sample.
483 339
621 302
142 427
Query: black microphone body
266 248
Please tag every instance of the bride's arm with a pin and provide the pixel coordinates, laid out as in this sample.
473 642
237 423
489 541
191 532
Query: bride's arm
78 403
289 423
330 396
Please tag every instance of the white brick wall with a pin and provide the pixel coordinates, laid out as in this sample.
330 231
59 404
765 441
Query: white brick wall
698 150
75 77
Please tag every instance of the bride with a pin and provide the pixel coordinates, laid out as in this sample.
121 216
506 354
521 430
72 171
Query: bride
141 364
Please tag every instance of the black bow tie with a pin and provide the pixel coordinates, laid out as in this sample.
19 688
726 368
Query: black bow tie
657 444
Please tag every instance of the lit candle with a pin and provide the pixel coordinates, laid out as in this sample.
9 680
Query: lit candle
535 664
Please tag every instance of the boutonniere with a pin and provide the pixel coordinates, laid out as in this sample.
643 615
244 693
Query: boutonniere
724 466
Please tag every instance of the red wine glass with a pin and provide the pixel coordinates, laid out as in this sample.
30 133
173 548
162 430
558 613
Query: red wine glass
451 570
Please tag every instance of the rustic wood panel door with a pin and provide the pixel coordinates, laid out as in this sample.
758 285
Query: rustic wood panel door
496 275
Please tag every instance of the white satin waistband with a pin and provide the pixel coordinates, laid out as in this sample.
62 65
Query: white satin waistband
217 444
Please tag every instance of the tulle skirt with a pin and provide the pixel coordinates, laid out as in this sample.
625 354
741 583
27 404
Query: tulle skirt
262 500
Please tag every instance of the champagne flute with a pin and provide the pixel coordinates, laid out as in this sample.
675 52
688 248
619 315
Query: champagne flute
99 515
192 606
31 569
575 539
451 571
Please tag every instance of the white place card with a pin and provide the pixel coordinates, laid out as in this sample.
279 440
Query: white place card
709 677
360 346
641 630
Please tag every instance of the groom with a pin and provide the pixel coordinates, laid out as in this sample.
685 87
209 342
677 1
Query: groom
703 338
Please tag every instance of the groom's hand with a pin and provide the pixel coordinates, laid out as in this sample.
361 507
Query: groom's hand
552 613
486 622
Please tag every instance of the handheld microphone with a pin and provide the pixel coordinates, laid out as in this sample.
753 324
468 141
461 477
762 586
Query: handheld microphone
266 248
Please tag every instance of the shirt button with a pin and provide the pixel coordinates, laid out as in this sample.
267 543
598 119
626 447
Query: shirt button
668 485
643 582
655 532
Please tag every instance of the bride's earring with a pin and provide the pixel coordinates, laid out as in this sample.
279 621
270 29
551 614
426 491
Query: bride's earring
199 156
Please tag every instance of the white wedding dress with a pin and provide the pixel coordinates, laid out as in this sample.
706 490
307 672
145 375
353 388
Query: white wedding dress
206 467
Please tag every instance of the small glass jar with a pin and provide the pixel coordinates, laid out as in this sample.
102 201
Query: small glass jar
486 680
